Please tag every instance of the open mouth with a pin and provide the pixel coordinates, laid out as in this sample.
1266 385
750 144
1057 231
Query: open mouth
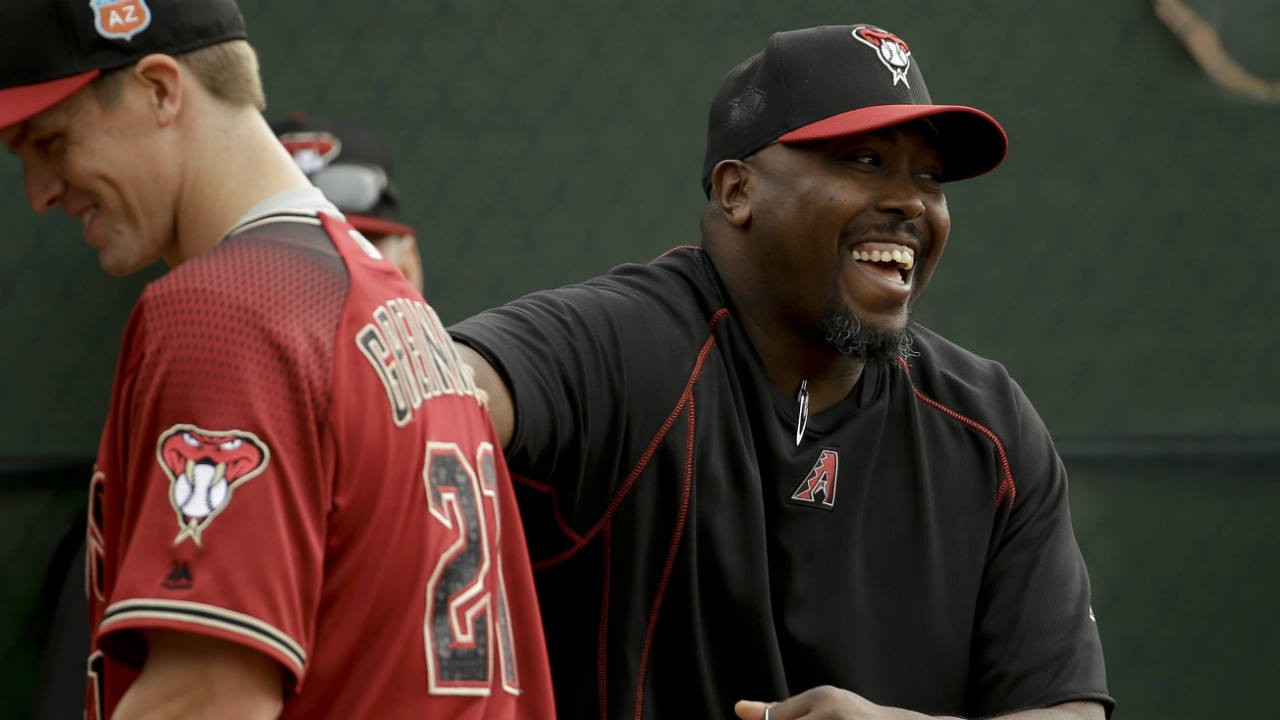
890 261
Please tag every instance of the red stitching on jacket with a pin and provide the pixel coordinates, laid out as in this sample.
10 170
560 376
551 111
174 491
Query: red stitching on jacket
627 484
676 535
602 648
1007 486
555 507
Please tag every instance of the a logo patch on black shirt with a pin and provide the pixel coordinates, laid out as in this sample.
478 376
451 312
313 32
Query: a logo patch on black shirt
818 489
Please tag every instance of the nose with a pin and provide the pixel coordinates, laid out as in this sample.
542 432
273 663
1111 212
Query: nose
902 196
44 188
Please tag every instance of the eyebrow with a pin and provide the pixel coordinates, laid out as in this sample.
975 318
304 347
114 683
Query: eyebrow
23 131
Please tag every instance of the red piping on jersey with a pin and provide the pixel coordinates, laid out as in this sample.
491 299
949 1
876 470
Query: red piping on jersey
580 542
1007 486
681 516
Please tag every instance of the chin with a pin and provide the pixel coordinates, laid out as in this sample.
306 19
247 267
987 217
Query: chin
856 336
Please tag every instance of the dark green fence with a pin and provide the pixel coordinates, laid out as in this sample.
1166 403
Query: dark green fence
1121 262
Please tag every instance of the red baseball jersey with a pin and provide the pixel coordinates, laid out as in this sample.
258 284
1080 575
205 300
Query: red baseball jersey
295 460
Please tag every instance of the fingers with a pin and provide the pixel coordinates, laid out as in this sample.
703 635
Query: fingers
752 710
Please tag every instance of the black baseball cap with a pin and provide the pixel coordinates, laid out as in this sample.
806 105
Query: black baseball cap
350 165
49 49
835 80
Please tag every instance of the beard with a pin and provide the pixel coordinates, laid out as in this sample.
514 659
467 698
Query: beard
850 336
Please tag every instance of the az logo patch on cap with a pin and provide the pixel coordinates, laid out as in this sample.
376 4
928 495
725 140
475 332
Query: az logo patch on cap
892 51
120 19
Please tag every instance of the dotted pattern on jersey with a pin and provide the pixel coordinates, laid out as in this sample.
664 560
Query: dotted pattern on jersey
228 318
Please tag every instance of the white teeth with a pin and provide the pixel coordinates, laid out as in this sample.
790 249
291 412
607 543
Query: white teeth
904 257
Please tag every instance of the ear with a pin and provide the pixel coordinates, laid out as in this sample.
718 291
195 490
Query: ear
162 76
730 191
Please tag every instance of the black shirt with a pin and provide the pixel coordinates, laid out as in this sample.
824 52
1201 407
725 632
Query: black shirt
915 547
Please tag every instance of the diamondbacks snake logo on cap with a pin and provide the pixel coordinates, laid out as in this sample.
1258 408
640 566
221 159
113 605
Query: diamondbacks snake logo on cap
120 19
892 51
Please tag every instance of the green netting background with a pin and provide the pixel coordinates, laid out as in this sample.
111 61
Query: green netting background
1121 262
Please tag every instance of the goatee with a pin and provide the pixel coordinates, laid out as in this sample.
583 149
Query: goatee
850 336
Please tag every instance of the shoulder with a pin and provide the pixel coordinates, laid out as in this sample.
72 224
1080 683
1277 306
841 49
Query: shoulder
965 384
672 296
283 270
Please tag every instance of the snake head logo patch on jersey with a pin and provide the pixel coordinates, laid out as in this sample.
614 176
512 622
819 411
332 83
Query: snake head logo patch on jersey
120 19
818 488
892 51
204 467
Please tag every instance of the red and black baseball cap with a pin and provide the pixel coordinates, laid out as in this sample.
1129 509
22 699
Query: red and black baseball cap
351 166
835 80
49 49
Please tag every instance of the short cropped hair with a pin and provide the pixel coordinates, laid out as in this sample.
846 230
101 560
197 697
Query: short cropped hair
228 70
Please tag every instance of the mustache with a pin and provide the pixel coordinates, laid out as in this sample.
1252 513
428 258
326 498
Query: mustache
892 227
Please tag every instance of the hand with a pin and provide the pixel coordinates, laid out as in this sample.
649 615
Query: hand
824 702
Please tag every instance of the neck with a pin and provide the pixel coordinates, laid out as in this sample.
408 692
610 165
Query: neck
790 353
237 163
789 359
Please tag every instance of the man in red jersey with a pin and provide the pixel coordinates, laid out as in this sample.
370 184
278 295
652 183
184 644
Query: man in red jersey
299 507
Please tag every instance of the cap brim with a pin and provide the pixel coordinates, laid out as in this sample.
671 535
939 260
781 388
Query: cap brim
21 103
366 224
972 142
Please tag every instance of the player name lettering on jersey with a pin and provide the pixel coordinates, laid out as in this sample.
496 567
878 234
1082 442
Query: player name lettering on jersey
413 356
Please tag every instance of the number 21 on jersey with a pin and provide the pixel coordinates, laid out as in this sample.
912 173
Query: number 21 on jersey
467 625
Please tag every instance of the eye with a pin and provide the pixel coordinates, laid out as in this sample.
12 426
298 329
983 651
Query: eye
931 175
190 439
862 159
50 144
231 444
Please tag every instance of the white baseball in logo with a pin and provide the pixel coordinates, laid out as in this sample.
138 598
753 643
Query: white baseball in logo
200 495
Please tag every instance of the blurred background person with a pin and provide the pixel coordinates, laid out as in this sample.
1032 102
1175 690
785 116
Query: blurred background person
352 167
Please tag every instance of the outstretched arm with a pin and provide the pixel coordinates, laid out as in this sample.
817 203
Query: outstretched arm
830 702
501 407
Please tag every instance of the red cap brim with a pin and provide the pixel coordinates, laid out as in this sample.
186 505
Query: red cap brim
21 103
366 224
977 143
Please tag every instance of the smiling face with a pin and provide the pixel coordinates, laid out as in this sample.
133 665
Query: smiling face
104 166
847 233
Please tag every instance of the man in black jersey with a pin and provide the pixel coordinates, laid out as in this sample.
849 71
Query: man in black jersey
748 478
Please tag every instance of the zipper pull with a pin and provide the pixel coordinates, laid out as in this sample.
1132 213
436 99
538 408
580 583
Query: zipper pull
803 420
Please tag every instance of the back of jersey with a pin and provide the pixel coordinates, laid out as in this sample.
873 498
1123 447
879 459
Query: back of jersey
426 607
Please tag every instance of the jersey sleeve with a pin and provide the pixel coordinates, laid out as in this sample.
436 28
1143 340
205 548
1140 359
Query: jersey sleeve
1036 637
594 369
224 498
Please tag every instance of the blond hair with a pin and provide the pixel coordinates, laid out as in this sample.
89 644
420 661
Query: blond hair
228 70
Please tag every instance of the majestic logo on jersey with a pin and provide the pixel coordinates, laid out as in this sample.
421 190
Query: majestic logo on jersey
120 19
204 467
819 487
892 51
179 577
311 150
